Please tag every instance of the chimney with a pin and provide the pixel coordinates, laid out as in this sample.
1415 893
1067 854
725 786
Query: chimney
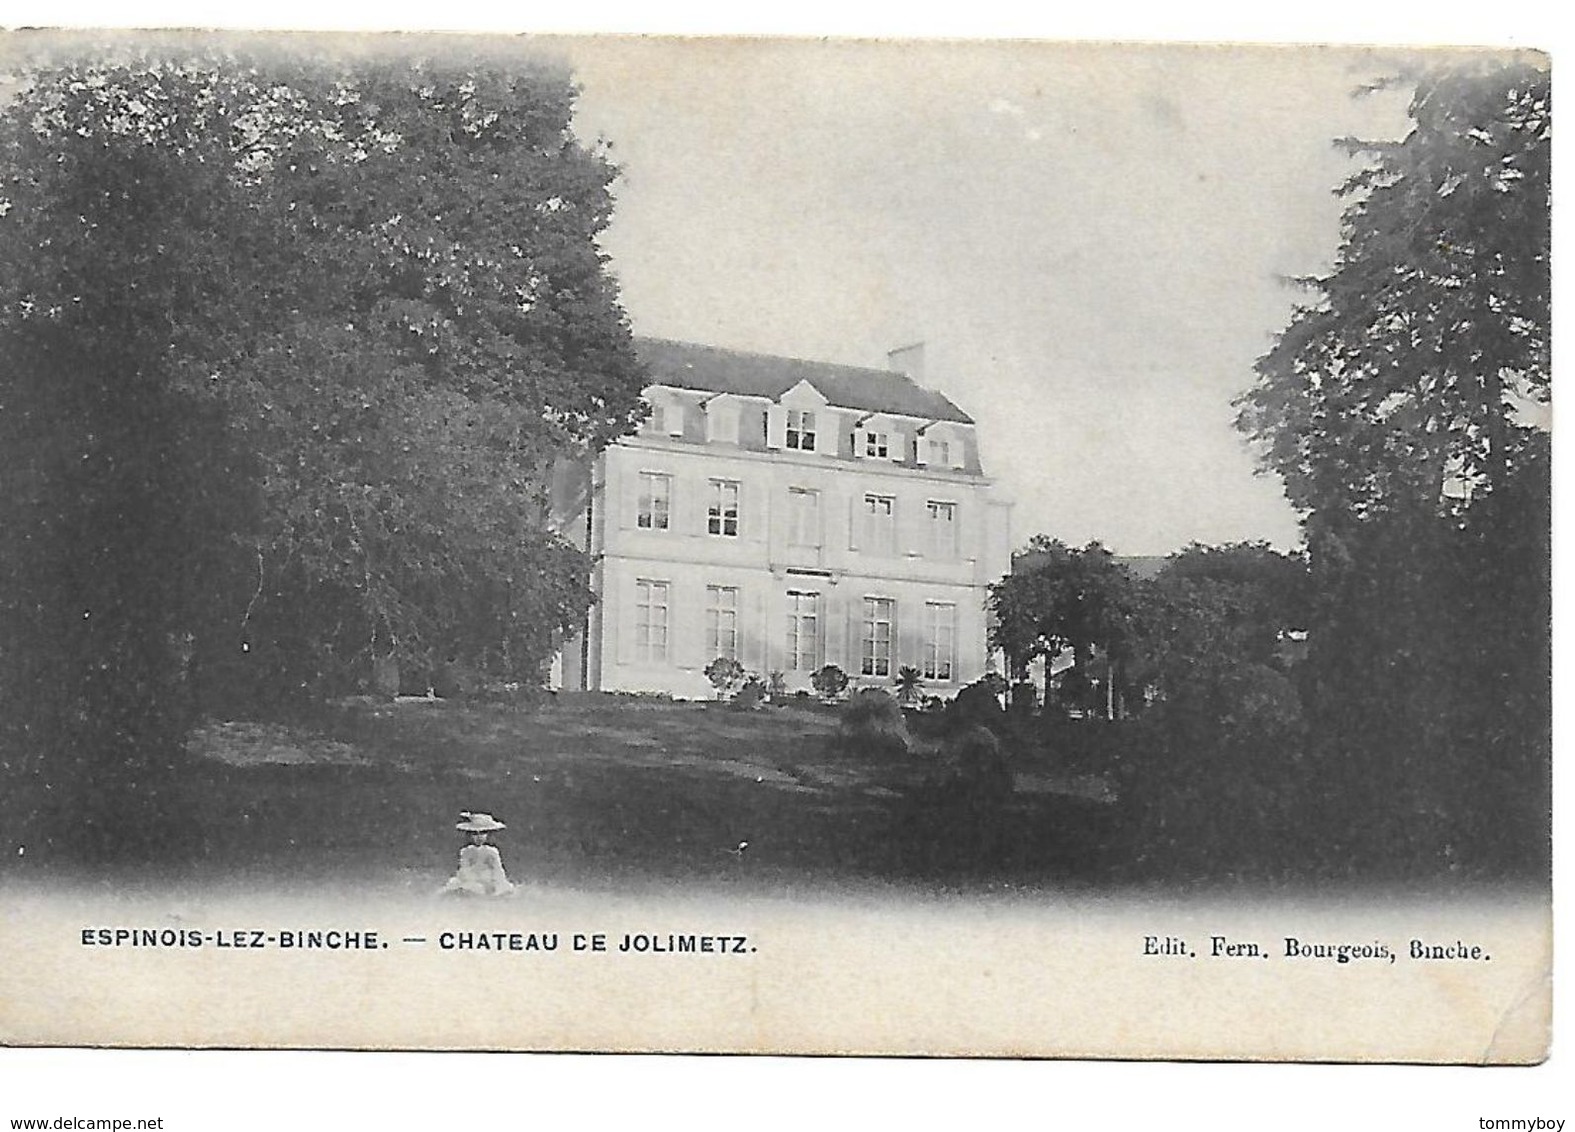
908 360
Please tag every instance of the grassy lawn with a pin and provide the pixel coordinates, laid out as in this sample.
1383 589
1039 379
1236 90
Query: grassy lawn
602 789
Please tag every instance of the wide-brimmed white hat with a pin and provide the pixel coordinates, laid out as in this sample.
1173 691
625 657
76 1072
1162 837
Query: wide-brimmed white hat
478 823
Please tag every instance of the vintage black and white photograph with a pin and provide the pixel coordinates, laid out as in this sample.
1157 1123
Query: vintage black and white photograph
975 549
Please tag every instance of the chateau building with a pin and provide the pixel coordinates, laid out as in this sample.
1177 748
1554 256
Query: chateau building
788 514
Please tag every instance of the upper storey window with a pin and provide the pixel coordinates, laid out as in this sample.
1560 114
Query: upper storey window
656 501
801 429
877 445
942 517
880 524
722 511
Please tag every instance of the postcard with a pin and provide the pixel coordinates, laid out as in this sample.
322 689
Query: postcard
966 549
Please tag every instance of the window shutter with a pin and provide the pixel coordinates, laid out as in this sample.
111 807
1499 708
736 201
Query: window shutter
855 518
690 498
753 643
621 613
897 446
958 454
897 651
754 510
673 411
912 523
686 625
628 496
776 427
852 661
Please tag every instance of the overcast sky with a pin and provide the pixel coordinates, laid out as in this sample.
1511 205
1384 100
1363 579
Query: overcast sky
1091 241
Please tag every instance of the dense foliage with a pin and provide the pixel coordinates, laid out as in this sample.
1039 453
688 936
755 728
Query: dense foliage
292 354
1403 408
1062 599
1380 703
872 721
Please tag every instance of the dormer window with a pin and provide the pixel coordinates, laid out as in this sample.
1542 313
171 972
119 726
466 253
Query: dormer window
721 420
941 447
667 413
876 444
801 430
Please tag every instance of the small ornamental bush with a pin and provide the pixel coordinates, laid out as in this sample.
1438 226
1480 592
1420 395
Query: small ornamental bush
980 703
725 673
830 682
776 687
975 766
910 685
872 721
751 695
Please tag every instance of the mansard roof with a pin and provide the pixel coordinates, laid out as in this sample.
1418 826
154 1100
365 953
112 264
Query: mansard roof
713 369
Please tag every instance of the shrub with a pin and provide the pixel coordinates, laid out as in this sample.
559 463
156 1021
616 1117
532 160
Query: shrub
975 766
910 684
980 703
873 721
954 819
724 673
830 682
751 694
776 686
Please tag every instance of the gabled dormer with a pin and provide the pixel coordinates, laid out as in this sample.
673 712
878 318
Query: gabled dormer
723 414
882 437
801 422
668 407
941 444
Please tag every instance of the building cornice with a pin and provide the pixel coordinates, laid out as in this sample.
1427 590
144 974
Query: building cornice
787 457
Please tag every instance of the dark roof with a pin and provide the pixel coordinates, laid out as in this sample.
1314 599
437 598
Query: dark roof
715 370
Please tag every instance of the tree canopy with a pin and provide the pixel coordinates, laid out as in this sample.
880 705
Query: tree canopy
1181 635
1404 407
1407 382
1058 598
295 348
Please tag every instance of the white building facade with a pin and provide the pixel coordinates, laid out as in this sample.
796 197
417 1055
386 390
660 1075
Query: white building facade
787 514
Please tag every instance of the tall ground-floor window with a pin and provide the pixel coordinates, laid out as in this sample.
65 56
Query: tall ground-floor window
721 622
880 613
940 639
650 621
803 631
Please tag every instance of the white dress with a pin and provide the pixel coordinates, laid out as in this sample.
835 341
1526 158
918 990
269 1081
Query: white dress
480 873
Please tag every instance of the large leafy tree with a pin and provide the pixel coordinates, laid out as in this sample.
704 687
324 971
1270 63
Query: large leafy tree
292 352
1058 599
1401 407
1214 623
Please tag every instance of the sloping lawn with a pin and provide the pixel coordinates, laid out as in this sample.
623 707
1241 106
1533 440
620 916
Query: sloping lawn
601 788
